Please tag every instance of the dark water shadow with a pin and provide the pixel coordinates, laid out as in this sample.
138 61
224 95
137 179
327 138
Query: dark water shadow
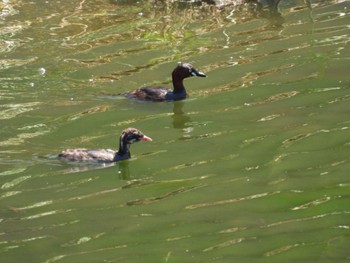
123 170
179 118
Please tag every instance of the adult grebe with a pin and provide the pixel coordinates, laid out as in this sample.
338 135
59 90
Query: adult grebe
182 71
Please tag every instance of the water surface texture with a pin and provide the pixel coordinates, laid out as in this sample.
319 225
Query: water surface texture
252 167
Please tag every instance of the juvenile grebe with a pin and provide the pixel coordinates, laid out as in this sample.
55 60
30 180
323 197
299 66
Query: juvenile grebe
182 71
127 137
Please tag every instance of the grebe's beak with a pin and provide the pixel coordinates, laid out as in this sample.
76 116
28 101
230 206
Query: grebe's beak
198 73
146 138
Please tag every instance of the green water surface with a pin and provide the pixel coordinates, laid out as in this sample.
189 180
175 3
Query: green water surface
252 167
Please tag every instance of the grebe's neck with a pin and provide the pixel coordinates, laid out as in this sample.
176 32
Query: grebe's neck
178 84
123 152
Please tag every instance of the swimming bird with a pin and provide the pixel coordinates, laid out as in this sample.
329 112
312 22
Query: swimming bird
127 137
182 71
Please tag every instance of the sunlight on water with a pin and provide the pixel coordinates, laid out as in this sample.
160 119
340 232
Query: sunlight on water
252 166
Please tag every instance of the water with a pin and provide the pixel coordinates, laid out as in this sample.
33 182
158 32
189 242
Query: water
252 167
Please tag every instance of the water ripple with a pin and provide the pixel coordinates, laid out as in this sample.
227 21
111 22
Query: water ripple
229 243
150 200
12 110
14 182
233 200
105 249
48 213
278 223
82 240
312 203
281 250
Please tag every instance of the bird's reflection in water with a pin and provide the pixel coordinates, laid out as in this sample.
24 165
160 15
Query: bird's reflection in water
123 170
180 119
83 167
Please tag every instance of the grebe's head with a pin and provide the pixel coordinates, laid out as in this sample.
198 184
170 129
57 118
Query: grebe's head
185 70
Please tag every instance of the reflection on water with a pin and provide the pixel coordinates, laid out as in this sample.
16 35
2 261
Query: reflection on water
179 118
253 166
123 170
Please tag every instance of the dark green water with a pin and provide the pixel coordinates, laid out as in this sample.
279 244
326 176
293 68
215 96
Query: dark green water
252 167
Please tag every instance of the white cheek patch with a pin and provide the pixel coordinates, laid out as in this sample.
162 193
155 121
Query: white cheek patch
132 139
193 73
